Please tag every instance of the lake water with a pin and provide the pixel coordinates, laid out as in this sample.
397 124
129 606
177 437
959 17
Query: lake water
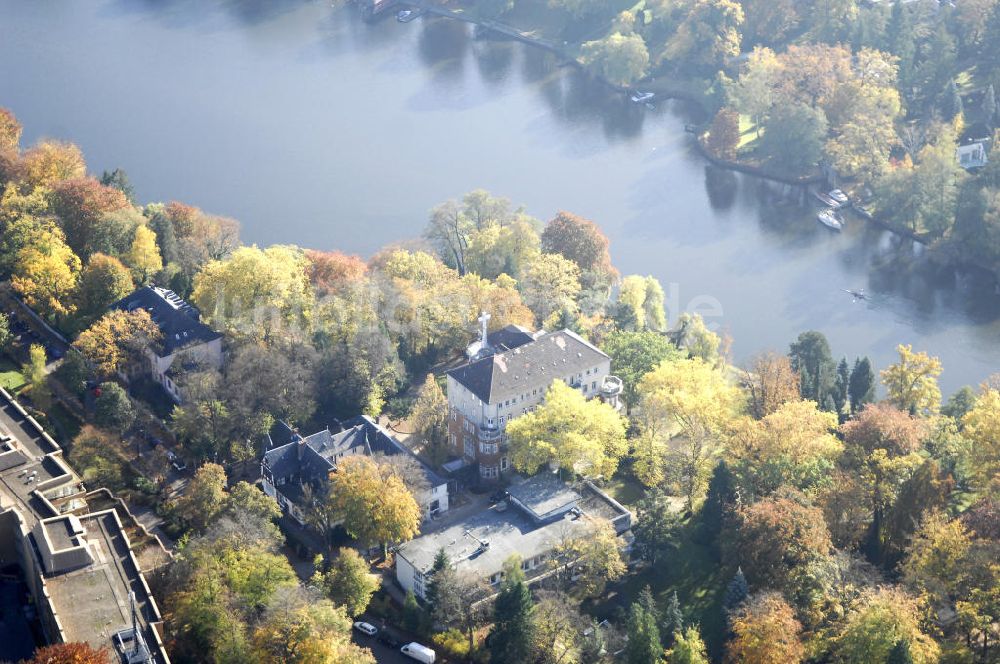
314 128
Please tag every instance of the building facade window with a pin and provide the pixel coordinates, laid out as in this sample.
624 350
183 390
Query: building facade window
488 448
489 472
470 448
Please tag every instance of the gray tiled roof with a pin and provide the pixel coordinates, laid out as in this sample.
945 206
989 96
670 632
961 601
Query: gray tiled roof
178 322
317 455
531 365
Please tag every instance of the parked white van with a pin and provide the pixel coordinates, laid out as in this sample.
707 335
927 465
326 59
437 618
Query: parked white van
419 652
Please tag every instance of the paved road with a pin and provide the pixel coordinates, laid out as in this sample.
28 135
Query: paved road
383 655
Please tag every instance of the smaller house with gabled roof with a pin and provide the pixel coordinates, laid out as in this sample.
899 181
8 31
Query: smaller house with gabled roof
293 462
185 340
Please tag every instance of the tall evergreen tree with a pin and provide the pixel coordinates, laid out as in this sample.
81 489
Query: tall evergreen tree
644 645
719 500
510 640
119 180
990 105
673 619
840 386
861 386
433 590
901 43
811 358
952 105
900 653
736 594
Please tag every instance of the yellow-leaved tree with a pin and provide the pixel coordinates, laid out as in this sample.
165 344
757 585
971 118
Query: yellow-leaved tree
373 502
46 274
144 256
912 382
793 445
685 408
254 292
585 437
981 425
117 340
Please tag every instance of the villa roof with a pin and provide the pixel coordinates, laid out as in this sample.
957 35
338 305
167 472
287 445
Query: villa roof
313 457
178 322
536 364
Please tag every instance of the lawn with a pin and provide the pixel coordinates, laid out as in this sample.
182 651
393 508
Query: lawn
700 582
625 488
10 376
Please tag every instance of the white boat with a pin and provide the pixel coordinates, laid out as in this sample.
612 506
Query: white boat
829 219
642 97
839 196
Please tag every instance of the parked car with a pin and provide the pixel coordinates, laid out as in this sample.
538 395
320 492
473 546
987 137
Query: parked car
176 461
366 628
419 652
388 640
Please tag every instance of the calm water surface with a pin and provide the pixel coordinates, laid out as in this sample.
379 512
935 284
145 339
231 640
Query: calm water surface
313 128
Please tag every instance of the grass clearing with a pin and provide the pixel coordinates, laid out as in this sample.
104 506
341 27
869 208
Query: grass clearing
697 576
10 376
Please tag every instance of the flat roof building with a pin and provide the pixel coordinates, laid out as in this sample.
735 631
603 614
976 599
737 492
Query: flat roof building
80 567
543 512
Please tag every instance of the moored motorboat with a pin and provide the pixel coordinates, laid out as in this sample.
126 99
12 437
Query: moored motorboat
829 219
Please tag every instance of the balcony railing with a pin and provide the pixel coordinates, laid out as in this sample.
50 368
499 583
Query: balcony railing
612 386
489 434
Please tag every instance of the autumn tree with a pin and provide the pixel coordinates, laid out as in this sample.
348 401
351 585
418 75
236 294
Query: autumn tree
74 652
640 304
792 446
205 497
97 456
45 274
348 582
144 255
581 241
376 507
10 130
430 418
684 408
595 559
331 271
881 444
6 336
776 538
764 631
708 35
688 648
580 435
981 425
81 204
912 382
690 334
770 382
299 628
36 377
881 618
724 134
48 163
255 293
633 355
103 281
117 340
621 59
263 383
